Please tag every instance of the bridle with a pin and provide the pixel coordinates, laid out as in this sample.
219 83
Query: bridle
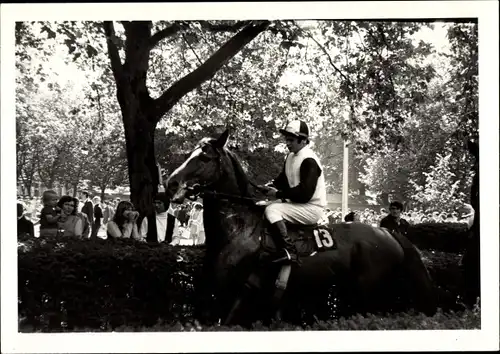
196 190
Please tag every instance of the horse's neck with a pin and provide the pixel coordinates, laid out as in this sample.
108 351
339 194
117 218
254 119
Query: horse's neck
232 227
232 232
230 222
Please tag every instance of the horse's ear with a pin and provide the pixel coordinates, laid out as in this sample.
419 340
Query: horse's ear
222 140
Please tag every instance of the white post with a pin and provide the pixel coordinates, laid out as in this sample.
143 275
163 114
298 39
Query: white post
345 172
345 179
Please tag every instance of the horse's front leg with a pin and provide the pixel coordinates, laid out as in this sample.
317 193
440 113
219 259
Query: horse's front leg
207 309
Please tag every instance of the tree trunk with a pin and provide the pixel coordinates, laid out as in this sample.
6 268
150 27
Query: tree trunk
140 112
362 189
75 188
143 173
103 188
27 183
471 259
385 198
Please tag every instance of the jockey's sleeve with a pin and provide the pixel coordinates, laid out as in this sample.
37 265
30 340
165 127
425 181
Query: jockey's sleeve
303 192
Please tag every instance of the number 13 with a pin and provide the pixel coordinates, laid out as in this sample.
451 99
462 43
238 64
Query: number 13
323 238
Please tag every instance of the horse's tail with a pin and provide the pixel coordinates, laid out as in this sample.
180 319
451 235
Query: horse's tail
415 269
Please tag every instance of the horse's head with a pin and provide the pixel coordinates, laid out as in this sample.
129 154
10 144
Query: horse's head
202 167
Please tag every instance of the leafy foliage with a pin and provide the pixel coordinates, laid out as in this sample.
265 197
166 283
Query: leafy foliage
63 123
438 194
376 84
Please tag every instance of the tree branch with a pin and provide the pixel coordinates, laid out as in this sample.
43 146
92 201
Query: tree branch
164 33
201 62
114 56
208 69
323 49
223 27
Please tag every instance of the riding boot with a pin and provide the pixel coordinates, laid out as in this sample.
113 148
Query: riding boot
291 255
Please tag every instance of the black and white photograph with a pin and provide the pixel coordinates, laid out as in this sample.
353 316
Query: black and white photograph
214 177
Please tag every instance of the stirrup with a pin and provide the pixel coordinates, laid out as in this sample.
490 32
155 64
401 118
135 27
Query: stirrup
287 257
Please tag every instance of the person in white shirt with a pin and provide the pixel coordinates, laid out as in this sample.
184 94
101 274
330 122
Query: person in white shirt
158 227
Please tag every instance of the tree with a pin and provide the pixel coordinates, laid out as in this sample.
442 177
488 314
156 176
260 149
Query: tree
438 194
179 81
140 112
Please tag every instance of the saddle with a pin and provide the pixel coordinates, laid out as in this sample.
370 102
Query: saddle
308 239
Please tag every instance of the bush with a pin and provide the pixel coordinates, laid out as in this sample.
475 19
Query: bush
100 283
104 284
445 237
468 319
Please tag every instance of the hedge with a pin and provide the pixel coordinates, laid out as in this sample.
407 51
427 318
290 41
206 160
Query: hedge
467 319
101 284
445 237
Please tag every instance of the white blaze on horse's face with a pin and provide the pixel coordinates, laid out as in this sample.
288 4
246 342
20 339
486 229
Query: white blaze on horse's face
189 173
199 168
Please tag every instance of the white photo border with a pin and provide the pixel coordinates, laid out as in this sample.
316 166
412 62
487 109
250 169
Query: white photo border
484 339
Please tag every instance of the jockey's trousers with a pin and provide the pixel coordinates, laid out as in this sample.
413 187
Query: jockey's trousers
296 213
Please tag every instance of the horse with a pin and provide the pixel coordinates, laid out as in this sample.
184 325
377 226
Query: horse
364 262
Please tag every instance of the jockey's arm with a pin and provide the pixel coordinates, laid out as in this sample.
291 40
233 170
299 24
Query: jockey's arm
303 192
281 182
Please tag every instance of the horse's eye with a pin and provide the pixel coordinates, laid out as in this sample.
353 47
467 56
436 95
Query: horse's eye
205 148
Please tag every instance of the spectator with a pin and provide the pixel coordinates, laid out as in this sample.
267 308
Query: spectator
97 217
50 214
24 226
351 217
159 227
85 221
183 215
69 223
195 224
393 222
108 211
88 208
467 214
124 224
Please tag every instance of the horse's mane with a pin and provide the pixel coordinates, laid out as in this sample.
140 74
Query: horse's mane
241 177
242 180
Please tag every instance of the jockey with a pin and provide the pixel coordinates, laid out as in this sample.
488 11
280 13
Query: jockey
299 189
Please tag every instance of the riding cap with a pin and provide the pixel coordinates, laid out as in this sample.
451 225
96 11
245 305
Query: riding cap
296 128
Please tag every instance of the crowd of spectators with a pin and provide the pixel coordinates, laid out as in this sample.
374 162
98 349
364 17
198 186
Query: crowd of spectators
413 216
89 217
177 224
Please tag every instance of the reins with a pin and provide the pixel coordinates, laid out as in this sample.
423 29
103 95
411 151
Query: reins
197 190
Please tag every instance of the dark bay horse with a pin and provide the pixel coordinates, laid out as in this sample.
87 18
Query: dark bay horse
364 262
